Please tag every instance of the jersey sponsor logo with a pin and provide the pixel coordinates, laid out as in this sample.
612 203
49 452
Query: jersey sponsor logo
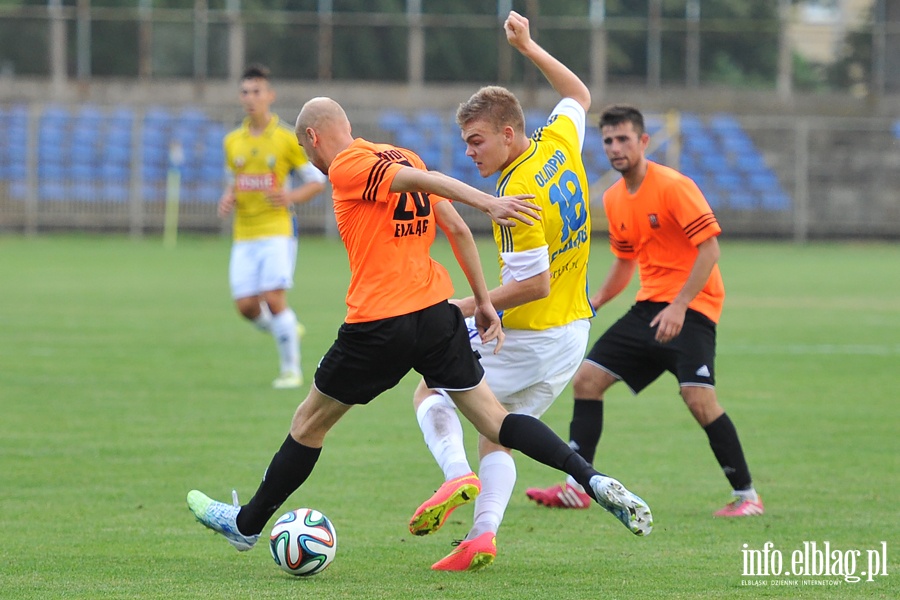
575 242
247 182
654 220
573 265
550 168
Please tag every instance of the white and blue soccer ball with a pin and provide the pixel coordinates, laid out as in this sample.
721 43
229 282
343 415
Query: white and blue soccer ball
303 542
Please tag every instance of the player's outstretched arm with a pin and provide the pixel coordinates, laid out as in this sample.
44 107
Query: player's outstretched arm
505 210
460 236
564 81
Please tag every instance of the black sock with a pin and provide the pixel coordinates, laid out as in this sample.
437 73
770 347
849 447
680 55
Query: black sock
537 441
723 439
586 427
289 468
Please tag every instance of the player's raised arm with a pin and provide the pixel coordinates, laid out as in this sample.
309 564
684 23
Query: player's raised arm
505 210
563 80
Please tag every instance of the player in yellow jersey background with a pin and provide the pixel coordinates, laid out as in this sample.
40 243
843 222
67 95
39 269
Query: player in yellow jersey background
260 156
543 293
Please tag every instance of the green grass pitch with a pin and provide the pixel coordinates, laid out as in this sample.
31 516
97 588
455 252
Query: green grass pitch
127 379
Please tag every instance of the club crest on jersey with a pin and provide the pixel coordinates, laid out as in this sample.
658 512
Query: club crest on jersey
654 220
239 161
270 160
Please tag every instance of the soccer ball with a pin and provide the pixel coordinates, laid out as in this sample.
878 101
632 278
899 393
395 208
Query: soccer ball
303 542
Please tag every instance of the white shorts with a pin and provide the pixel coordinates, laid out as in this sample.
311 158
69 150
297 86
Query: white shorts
262 265
533 367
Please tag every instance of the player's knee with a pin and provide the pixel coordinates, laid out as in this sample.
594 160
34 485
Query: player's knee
587 384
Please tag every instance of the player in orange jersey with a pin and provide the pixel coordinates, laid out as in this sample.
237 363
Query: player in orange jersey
387 206
659 223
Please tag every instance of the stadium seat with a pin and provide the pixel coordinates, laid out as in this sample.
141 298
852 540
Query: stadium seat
728 181
121 117
534 119
724 123
18 189
691 124
206 194
114 172
112 191
776 201
392 121
742 200
52 190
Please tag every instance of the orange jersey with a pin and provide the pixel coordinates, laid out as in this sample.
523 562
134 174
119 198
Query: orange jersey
661 226
387 235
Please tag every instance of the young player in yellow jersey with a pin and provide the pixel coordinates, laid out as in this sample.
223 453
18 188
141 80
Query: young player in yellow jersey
260 156
543 293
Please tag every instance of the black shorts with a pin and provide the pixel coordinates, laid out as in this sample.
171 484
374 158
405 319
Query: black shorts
629 351
369 358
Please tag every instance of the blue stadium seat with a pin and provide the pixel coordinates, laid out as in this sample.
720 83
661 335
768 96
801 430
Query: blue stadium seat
703 145
116 155
392 121
153 192
83 190
18 189
83 171
534 119
729 181
207 194
114 172
52 190
52 170
121 117
112 191
192 118
724 123
692 124
742 200
212 173
55 115
776 201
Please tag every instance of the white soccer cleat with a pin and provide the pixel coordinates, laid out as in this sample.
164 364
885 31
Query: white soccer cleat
221 518
288 381
625 506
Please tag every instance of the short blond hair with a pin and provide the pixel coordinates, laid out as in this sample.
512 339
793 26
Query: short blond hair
495 105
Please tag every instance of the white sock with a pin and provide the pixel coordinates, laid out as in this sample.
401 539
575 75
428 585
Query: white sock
571 481
747 495
263 321
284 330
443 435
498 477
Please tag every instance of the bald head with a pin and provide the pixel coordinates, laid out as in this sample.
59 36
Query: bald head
320 114
323 130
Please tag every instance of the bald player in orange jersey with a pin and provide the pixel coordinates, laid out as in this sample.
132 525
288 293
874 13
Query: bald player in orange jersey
660 223
387 205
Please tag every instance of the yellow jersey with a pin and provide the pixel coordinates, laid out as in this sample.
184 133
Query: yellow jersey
259 163
552 170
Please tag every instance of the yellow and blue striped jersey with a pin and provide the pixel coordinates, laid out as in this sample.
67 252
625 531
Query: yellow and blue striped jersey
259 163
552 169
